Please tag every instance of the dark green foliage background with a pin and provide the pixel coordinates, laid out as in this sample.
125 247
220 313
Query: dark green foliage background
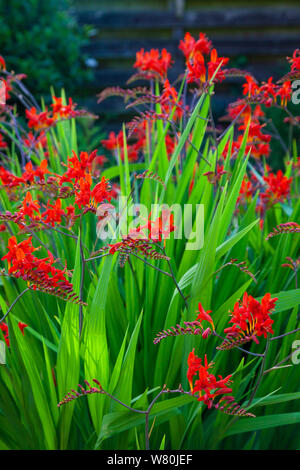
40 39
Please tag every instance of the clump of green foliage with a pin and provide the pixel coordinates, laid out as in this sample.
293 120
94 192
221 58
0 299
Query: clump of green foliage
42 40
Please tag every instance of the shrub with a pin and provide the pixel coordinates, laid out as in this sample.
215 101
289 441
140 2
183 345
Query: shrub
42 40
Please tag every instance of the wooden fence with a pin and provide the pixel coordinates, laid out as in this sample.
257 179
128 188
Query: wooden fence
257 36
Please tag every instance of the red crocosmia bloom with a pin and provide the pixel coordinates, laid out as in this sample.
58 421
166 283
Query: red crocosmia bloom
196 68
29 173
187 45
214 64
40 274
42 170
285 92
247 191
38 121
207 386
4 329
250 88
2 63
268 91
2 228
203 44
153 61
278 188
78 167
101 192
250 319
17 253
83 193
53 213
29 207
295 60
22 326
63 111
204 316
194 364
3 144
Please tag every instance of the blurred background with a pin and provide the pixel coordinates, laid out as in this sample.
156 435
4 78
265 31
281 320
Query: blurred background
85 46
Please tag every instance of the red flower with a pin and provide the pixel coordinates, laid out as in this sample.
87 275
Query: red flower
29 206
53 213
187 45
38 121
278 187
295 60
153 61
4 329
250 88
22 326
250 318
204 316
216 63
207 385
40 274
285 92
101 192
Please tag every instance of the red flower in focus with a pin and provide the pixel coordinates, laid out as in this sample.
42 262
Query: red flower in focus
101 192
207 386
53 213
250 318
29 207
204 316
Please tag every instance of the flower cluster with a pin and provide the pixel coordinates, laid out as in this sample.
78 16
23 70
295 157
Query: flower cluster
208 388
250 319
40 274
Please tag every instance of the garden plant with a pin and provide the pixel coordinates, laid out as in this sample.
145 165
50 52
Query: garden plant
149 292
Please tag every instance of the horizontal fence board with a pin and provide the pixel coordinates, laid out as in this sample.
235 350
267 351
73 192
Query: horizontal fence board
225 18
231 46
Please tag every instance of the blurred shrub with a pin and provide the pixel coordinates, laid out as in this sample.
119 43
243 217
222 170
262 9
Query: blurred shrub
41 39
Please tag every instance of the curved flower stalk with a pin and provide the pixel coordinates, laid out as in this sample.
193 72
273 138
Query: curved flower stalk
147 174
250 319
131 246
191 328
288 227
